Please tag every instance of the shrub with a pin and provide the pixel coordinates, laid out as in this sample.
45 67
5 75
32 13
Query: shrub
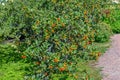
50 34
103 32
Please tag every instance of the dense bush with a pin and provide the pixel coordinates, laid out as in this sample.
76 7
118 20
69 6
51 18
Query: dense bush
52 34
103 32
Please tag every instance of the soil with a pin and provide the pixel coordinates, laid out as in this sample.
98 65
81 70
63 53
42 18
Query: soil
110 61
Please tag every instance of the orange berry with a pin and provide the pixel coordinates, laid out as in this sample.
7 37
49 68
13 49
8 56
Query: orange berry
76 77
23 56
61 69
107 12
37 63
88 42
84 46
85 37
53 31
71 48
63 25
46 30
58 19
65 65
99 54
53 25
50 67
56 60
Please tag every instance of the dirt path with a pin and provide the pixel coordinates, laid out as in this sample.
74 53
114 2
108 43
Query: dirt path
110 61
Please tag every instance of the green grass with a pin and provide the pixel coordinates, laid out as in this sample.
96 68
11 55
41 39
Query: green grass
101 47
12 71
11 66
87 70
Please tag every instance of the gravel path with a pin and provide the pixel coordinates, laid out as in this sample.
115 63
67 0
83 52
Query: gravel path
110 61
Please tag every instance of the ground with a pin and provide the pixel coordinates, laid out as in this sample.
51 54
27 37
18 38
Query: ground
110 61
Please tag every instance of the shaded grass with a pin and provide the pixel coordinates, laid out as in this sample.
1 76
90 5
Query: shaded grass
88 72
84 72
101 47
13 71
87 68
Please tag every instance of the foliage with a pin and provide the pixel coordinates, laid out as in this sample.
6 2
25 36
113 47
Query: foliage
52 35
115 22
114 18
17 69
103 32
8 53
13 71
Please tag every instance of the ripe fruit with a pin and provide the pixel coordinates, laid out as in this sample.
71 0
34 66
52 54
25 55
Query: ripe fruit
53 25
50 67
63 25
23 56
99 54
61 69
37 63
56 60
58 19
